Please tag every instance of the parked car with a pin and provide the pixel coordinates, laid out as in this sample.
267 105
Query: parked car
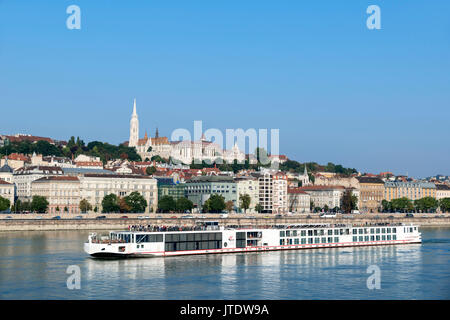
308 217
38 217
328 215
187 217
79 217
159 217
173 217
56 218
100 217
391 217
8 217
123 217
278 216
409 215
224 215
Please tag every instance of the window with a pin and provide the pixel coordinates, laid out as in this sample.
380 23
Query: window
336 239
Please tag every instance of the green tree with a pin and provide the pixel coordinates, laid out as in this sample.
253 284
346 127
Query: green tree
349 201
158 159
85 206
167 204
259 208
150 170
215 203
39 204
110 203
426 204
444 204
136 202
401 204
386 206
245 201
4 204
184 204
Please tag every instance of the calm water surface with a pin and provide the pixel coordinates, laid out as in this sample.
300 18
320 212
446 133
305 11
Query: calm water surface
33 266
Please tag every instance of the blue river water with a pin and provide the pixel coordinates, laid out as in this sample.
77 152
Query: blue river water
33 265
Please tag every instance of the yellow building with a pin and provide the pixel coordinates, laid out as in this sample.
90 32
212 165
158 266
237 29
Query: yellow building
410 190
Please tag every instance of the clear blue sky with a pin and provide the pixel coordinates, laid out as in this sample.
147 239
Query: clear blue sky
376 100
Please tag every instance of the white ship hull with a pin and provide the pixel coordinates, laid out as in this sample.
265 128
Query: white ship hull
127 244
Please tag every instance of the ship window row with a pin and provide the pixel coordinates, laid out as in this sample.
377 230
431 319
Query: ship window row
195 245
374 230
375 238
316 240
190 237
149 238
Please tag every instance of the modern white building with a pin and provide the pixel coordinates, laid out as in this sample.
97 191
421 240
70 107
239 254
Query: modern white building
272 191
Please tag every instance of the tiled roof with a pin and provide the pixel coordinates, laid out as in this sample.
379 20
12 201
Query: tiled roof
369 180
296 190
57 178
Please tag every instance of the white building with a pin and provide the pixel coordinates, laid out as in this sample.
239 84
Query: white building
442 191
61 192
272 191
6 172
7 191
298 201
23 177
95 186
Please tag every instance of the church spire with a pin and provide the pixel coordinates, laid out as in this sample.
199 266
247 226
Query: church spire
134 127
134 108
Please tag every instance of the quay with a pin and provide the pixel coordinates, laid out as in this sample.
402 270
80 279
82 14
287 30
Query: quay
44 222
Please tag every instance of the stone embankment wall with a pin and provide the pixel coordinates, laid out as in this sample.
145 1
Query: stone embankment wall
114 222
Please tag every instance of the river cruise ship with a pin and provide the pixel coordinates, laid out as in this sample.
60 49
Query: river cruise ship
208 238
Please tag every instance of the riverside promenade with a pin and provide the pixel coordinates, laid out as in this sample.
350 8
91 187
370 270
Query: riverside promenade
44 222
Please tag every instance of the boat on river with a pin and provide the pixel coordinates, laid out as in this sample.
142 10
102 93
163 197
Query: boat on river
210 238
